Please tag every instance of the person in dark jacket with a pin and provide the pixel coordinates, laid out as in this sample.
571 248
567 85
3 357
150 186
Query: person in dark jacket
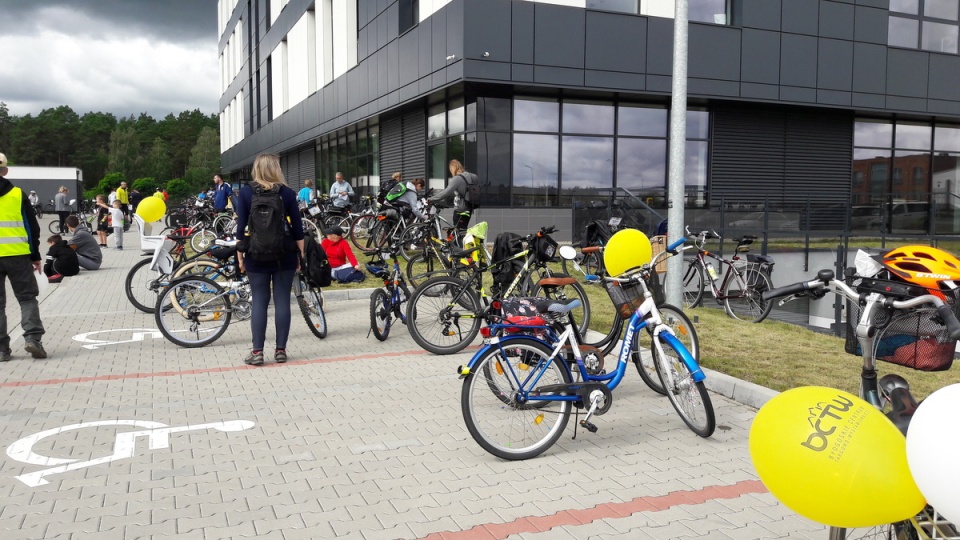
19 259
61 260
456 190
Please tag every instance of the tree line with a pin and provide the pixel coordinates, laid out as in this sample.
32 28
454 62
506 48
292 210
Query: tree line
178 153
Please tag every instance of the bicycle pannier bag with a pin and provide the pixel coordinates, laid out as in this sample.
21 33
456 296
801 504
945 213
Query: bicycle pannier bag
316 266
266 226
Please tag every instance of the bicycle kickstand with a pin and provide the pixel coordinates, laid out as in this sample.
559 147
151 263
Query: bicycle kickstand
595 399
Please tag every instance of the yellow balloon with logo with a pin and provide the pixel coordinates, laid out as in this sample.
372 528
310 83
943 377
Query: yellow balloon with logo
151 209
833 458
626 250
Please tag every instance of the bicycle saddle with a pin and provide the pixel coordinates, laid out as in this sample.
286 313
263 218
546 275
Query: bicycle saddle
556 281
897 390
550 305
461 253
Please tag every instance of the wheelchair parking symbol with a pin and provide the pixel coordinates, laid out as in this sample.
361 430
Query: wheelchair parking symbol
116 337
157 434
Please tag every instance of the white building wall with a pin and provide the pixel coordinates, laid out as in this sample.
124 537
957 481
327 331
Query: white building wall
299 48
276 6
429 7
653 8
281 98
323 20
344 36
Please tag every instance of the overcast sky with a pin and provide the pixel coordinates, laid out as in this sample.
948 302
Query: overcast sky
119 56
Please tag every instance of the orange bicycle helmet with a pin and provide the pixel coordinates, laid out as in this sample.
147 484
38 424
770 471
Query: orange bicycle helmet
925 266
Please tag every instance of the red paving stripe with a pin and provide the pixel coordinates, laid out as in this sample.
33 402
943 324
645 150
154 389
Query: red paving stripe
120 376
536 524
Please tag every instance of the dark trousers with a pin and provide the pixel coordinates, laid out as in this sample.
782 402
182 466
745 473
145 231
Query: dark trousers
19 270
260 285
460 222
63 221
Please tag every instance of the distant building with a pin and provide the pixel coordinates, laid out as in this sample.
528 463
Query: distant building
46 181
557 103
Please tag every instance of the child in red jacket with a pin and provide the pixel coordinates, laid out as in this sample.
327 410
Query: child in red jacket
343 265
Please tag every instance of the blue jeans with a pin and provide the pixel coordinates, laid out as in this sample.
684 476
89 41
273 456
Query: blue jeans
260 282
19 270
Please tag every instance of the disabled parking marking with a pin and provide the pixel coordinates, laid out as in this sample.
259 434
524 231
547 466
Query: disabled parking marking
157 434
136 334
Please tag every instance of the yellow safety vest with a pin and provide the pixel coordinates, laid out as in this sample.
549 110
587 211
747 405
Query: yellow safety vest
13 231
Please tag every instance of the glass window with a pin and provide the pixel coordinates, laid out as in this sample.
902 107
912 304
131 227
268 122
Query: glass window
642 121
946 139
695 183
493 113
939 37
624 6
698 124
592 118
905 6
913 136
915 186
455 149
587 163
471 116
903 32
873 133
493 166
409 14
940 9
437 166
535 166
436 122
642 164
531 115
455 119
709 11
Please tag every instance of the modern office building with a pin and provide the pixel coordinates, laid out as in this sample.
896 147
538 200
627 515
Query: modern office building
818 109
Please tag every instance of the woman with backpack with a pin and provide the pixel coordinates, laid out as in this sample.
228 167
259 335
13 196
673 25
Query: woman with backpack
269 251
463 189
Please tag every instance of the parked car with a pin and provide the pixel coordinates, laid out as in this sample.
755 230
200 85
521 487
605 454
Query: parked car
776 221
865 218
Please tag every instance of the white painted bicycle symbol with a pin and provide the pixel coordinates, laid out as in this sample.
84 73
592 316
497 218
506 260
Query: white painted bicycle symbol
157 434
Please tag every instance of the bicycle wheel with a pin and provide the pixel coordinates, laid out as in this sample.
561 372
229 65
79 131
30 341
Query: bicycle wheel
310 227
142 286
442 315
500 422
593 264
360 229
54 226
193 312
207 268
420 268
643 345
608 341
688 397
894 531
581 315
744 299
413 239
693 285
380 314
310 301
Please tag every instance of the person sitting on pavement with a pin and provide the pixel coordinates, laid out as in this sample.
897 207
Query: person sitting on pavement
339 253
86 246
61 261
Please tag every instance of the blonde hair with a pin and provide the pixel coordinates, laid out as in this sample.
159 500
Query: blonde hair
397 176
266 171
308 183
456 167
63 189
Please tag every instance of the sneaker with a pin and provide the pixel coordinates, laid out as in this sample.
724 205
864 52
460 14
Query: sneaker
56 278
5 355
35 348
280 356
119 247
255 358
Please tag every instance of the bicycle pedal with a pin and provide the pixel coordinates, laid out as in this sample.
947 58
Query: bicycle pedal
589 425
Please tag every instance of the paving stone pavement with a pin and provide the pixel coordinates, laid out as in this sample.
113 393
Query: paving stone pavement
353 438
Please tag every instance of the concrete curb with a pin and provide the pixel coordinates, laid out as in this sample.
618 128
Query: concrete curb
347 294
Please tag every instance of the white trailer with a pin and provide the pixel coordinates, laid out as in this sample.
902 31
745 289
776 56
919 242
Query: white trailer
46 181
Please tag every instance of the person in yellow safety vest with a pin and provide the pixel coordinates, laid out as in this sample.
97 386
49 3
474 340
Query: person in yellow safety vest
19 260
123 195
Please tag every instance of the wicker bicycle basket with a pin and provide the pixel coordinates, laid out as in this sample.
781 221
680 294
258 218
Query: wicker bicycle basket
626 299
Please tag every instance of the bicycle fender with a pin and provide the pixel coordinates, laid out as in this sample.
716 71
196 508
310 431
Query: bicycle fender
685 356
498 342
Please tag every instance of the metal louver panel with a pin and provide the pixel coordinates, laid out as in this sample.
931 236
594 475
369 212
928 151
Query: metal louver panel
308 170
391 147
819 155
414 144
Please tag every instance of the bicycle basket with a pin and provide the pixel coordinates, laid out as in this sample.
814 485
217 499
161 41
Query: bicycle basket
626 298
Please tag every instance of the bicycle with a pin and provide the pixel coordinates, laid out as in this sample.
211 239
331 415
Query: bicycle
886 307
742 285
386 303
85 216
194 311
513 384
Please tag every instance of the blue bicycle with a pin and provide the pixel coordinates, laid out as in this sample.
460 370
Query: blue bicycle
519 389
386 303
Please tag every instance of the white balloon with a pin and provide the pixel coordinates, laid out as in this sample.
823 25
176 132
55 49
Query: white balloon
932 442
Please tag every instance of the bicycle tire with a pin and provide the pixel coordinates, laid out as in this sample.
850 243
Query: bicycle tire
643 345
422 267
207 268
202 240
580 315
193 312
745 303
693 285
54 227
360 229
435 311
141 286
880 532
608 341
412 239
516 431
380 314
593 264
310 301
685 394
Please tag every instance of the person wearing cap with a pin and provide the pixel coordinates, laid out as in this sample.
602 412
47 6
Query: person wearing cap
343 264
19 260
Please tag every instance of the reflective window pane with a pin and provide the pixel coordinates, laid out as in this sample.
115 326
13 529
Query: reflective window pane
946 139
589 118
624 6
455 119
946 172
913 136
535 169
642 164
905 6
437 166
698 124
471 116
910 175
873 166
531 115
493 114
870 133
642 121
695 183
939 37
709 11
493 166
587 163
436 122
941 9
903 32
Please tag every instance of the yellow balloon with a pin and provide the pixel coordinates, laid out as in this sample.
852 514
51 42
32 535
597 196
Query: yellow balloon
833 458
151 209
626 250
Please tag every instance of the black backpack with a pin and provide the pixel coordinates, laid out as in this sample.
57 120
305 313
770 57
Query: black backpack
267 226
315 265
472 195
385 188
505 245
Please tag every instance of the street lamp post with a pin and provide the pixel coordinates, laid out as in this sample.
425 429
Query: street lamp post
678 140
